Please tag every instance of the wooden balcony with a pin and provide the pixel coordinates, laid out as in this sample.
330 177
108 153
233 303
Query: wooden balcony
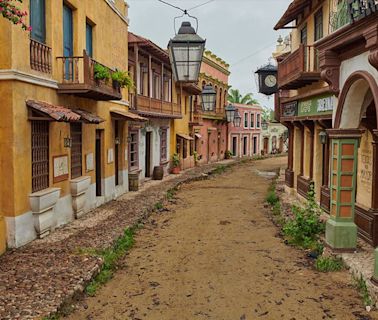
154 107
218 114
40 56
197 117
298 69
77 78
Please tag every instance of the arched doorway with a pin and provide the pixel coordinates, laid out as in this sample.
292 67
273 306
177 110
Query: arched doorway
353 162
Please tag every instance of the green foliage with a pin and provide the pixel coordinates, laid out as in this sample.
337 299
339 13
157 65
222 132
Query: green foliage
110 256
220 169
277 208
175 160
228 154
328 264
101 72
272 198
195 155
234 96
158 206
52 317
305 228
361 287
171 193
123 78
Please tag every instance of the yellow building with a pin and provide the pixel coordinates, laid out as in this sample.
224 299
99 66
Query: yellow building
63 135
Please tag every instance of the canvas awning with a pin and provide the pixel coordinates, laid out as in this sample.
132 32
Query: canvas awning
60 113
185 136
198 135
126 115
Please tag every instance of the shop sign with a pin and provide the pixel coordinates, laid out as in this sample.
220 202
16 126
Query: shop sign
289 109
316 106
359 9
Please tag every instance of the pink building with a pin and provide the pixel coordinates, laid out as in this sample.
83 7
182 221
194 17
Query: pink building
244 141
210 128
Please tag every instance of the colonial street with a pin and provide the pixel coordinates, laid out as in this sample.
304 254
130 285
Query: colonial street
214 253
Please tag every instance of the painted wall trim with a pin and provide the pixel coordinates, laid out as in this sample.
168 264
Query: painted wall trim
113 7
10 74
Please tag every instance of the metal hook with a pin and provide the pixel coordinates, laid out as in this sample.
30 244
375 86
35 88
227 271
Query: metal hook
187 14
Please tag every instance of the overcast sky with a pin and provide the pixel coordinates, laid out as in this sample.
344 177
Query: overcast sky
239 31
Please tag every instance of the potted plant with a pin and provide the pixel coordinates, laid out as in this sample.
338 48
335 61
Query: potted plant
228 154
175 163
195 155
121 79
101 73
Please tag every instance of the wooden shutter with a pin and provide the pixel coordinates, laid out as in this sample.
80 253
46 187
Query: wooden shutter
38 20
76 154
40 155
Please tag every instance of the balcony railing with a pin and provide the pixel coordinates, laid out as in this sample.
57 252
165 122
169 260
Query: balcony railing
40 56
78 77
299 69
197 118
154 107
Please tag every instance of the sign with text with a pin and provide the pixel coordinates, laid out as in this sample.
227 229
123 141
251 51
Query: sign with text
316 106
289 109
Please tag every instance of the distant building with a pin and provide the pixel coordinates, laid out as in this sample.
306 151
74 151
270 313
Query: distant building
273 138
244 141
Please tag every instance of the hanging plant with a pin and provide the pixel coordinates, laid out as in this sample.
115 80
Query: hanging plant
14 14
101 72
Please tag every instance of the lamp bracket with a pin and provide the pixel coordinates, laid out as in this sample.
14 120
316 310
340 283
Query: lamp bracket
184 14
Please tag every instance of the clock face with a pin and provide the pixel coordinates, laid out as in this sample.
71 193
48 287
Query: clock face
270 81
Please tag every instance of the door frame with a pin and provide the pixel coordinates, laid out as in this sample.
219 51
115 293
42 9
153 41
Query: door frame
99 158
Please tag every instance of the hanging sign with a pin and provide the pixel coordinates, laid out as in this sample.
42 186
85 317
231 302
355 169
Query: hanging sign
289 109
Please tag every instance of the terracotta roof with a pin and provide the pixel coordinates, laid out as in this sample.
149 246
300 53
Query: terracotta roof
88 116
292 12
128 116
185 136
57 113
149 46
257 106
63 114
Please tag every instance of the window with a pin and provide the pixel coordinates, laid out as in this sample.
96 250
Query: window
163 145
184 149
318 21
76 154
40 155
133 150
258 120
234 146
252 120
89 39
38 20
245 120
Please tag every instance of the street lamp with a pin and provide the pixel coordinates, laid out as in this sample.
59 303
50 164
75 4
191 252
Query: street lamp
208 98
230 113
264 124
185 53
237 118
323 137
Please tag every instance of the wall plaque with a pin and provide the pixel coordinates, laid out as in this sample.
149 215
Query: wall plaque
290 109
89 162
60 168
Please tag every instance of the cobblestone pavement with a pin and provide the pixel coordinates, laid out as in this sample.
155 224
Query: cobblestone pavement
37 279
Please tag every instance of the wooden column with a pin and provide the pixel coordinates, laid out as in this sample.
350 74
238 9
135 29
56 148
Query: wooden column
149 77
137 72
302 149
374 200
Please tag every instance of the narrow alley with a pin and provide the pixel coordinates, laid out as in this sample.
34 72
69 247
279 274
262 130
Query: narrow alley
213 253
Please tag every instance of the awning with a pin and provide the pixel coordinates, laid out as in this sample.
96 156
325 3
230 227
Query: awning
292 12
89 117
185 136
63 114
198 135
212 129
125 115
57 113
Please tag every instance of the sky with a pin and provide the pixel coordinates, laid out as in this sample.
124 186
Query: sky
239 31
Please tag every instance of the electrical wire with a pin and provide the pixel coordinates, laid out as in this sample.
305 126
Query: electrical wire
185 10
252 54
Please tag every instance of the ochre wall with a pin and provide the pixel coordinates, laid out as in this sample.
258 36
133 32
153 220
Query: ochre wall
297 154
318 160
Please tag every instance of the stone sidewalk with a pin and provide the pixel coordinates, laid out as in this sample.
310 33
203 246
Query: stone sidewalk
37 279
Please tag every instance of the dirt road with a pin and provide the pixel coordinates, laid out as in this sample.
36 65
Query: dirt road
216 255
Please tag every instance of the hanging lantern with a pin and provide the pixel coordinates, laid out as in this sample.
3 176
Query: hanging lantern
264 124
209 97
237 119
230 113
323 137
185 53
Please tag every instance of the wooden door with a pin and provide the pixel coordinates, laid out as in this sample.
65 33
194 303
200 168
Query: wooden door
148 154
98 163
116 152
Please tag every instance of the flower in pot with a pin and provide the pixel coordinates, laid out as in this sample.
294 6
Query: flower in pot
175 163
101 73
121 79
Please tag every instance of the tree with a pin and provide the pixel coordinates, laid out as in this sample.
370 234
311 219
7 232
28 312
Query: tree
14 14
267 114
234 96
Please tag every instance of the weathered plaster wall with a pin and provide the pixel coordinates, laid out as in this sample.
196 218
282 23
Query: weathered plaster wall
297 154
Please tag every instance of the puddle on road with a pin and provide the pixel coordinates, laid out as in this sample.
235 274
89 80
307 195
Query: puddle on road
267 174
